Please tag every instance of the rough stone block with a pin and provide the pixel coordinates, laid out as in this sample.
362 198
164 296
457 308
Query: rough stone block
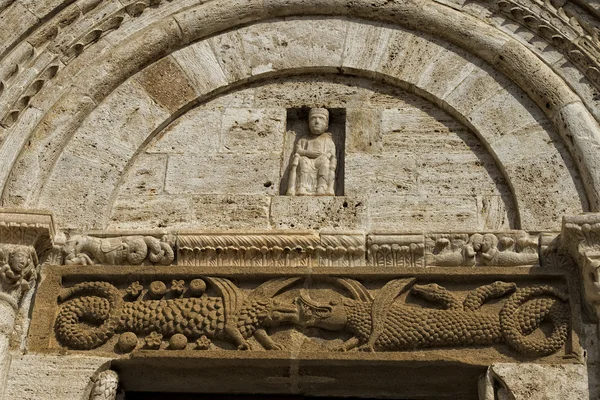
479 86
197 131
67 192
410 213
388 174
223 174
200 64
281 45
501 115
496 212
319 212
363 131
230 212
151 212
46 377
146 176
333 92
548 209
559 382
445 71
117 128
15 21
164 74
247 130
366 46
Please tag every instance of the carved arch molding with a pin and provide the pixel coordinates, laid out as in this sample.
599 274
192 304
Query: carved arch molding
151 128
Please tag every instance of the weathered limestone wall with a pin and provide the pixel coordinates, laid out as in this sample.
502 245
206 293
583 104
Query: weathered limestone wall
401 156
543 183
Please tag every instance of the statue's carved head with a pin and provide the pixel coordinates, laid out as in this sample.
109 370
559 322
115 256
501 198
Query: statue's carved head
490 241
476 241
330 316
318 120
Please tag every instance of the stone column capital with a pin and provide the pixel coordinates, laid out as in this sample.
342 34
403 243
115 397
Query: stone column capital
25 239
580 238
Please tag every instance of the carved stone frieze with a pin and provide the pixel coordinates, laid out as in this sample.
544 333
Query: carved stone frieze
481 249
376 315
134 250
401 251
272 250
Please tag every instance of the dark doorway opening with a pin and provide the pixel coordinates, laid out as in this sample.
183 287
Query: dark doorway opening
191 396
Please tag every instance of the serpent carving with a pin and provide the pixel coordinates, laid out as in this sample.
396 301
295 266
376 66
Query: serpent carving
230 315
384 324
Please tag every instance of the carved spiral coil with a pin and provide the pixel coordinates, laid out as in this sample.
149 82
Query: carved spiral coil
526 310
160 251
99 305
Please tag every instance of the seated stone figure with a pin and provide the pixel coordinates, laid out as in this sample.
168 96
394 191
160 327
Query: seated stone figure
312 171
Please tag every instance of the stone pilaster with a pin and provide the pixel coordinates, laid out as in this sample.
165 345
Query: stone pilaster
580 238
25 237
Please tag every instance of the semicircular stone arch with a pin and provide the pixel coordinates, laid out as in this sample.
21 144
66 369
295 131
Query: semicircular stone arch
517 135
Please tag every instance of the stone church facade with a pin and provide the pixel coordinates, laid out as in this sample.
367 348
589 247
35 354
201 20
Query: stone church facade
376 199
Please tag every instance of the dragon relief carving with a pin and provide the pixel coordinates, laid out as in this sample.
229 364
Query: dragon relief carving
382 324
87 250
229 316
93 312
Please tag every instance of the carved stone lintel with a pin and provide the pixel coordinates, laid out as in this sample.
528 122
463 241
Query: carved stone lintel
223 311
272 250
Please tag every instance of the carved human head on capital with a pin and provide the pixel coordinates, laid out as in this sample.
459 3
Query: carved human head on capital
318 120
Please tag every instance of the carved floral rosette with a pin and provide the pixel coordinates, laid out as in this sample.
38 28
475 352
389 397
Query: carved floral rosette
272 250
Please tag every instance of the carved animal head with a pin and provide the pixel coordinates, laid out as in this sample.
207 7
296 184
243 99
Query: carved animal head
265 313
330 316
428 290
280 312
503 287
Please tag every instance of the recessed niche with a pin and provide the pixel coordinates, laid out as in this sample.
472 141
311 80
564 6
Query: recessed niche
297 129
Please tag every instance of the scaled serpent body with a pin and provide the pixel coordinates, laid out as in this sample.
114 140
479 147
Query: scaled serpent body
408 327
101 305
